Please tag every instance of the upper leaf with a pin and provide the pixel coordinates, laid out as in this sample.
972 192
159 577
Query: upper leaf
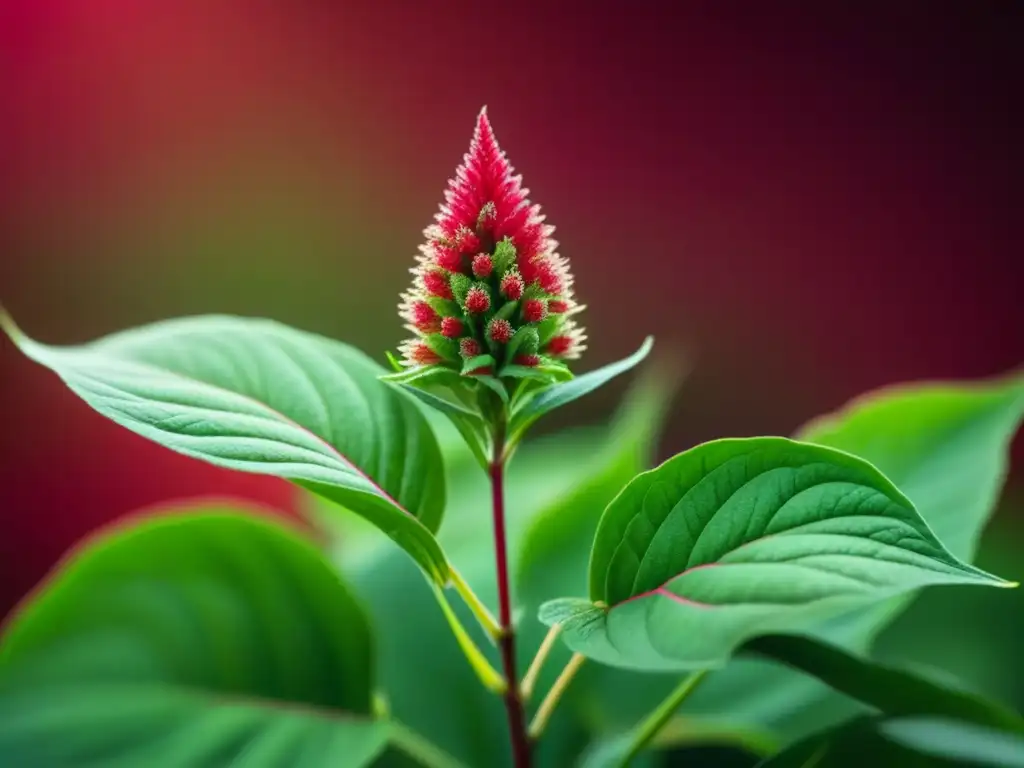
741 537
547 399
257 396
190 639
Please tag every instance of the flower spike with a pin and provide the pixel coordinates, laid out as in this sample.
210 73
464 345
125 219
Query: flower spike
489 267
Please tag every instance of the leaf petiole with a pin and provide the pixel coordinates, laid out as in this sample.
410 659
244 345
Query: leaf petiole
530 678
489 676
547 707
476 605
649 727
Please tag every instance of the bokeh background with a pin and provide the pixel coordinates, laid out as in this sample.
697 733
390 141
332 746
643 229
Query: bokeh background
807 200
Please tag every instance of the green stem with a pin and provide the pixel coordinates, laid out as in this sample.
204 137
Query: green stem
489 676
648 728
533 673
547 707
421 750
476 605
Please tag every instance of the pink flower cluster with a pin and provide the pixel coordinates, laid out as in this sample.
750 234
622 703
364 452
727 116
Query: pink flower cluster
489 286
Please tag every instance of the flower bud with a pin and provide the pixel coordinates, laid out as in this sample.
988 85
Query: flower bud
482 266
435 283
512 286
451 327
425 318
534 310
477 300
470 348
499 330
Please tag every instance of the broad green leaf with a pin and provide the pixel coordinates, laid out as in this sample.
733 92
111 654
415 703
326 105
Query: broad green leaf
892 691
946 446
907 742
257 396
965 419
956 742
428 683
190 640
547 399
852 744
741 537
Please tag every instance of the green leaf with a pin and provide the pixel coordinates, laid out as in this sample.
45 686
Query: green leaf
190 639
945 445
907 742
955 741
972 421
480 361
892 691
548 399
524 372
257 396
740 537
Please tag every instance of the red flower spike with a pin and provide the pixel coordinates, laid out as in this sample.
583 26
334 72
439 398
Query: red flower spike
436 284
477 301
451 327
534 310
500 330
482 266
528 361
425 318
483 370
470 348
512 287
488 246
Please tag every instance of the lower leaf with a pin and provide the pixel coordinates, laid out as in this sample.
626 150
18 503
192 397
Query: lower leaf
908 742
190 640
890 690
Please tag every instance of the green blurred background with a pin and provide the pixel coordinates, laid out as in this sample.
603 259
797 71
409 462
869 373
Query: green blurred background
807 202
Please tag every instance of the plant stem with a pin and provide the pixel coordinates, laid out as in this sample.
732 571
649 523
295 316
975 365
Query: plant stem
507 641
488 675
484 616
530 678
540 720
654 722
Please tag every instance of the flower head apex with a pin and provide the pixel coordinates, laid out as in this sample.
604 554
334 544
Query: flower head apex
489 280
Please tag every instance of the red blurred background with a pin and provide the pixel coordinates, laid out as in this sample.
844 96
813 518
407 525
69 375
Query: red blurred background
809 200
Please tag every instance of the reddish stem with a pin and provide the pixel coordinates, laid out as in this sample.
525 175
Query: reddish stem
507 642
